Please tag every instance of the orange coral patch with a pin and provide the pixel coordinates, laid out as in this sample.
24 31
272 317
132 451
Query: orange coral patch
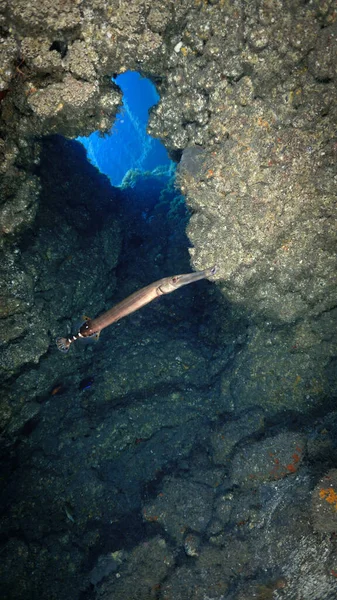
291 468
329 495
152 519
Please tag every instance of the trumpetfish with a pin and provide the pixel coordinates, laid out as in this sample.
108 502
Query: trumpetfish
91 328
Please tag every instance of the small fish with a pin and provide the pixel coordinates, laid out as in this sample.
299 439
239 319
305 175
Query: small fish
86 383
69 514
58 389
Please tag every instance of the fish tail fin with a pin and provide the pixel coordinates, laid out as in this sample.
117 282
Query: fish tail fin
63 344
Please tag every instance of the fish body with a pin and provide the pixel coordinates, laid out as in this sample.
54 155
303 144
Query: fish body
69 514
86 383
57 389
92 327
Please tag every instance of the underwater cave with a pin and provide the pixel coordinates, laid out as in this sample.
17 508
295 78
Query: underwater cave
187 450
110 222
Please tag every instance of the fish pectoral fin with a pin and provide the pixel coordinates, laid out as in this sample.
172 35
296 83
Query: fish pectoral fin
90 339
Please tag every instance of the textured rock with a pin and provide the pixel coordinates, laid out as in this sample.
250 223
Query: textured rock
285 368
35 276
258 210
19 212
270 459
181 506
142 572
324 503
248 100
226 437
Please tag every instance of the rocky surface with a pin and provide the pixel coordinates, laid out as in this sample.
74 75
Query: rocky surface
191 452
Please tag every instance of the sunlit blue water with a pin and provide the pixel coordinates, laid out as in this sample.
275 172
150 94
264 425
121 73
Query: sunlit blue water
128 146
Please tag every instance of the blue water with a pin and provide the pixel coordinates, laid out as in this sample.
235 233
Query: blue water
128 146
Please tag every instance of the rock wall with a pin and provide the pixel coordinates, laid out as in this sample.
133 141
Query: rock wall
248 88
248 104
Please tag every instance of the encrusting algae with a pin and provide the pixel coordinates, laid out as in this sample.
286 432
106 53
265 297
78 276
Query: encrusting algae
329 495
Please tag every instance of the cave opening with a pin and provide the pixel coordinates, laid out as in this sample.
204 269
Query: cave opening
111 221
128 150
151 207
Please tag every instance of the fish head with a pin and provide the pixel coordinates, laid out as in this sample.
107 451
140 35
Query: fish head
170 284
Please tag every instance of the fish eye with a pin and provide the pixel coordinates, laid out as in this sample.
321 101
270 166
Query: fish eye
174 279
